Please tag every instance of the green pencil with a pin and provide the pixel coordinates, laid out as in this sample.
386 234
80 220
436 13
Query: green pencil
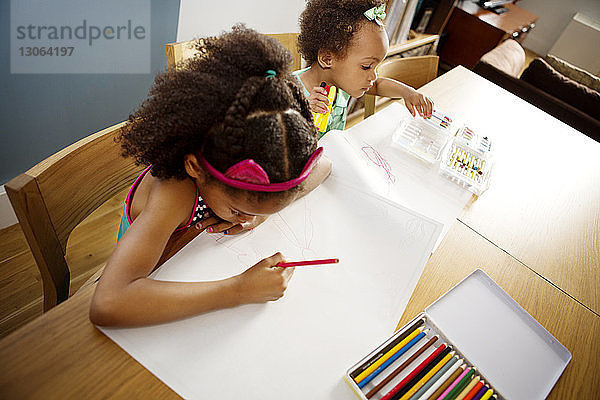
461 385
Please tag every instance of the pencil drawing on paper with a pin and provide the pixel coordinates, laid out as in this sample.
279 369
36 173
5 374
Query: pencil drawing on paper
376 158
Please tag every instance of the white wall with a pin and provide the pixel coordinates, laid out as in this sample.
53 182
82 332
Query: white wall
204 18
553 18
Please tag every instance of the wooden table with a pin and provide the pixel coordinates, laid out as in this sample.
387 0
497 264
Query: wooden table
543 204
61 355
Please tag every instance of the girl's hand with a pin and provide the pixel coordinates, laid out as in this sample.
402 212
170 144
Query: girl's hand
214 224
264 281
318 100
415 101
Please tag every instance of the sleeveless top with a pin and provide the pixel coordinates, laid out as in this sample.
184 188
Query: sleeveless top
200 212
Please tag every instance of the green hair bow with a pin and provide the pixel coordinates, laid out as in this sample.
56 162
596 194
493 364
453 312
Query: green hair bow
376 14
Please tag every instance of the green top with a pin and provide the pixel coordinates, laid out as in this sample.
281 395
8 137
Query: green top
339 111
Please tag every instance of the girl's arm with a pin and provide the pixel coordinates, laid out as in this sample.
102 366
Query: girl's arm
413 100
125 296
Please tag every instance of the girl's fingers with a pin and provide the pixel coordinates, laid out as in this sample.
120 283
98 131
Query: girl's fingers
220 227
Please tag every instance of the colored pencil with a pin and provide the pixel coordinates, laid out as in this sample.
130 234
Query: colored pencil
400 368
416 378
435 378
456 368
387 348
487 394
460 385
474 391
443 395
308 262
427 376
468 388
481 392
386 356
448 382
404 382
393 358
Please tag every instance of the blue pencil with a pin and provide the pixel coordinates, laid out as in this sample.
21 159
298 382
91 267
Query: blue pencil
393 358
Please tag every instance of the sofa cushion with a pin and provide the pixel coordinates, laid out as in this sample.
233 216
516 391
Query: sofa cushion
573 72
541 75
508 57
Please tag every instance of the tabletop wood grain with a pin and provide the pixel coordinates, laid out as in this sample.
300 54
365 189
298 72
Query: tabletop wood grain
543 203
462 251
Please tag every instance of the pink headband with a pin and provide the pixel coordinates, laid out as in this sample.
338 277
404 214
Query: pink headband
249 175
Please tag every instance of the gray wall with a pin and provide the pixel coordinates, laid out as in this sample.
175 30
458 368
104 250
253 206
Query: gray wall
553 18
43 113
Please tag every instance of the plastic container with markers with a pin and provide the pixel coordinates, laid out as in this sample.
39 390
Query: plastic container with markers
468 160
424 138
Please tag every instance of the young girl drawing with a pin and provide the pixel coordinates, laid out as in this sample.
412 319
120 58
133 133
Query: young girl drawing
343 42
229 140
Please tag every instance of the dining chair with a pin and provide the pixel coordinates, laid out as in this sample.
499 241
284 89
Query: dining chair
54 196
180 51
413 71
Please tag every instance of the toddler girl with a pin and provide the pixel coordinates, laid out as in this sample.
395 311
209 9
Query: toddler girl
343 42
229 140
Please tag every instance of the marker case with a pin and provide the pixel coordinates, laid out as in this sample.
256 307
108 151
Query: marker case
468 160
463 155
424 138
490 331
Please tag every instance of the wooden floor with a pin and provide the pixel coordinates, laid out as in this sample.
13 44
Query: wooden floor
88 248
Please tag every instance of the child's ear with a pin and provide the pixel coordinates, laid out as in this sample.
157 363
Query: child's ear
324 58
193 168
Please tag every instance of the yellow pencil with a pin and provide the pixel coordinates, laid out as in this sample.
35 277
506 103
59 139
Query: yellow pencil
387 355
487 395
467 389
428 376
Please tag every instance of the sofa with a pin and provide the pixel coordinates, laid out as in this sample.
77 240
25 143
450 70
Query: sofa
543 86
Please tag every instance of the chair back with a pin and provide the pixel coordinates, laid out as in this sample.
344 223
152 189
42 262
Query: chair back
180 51
413 71
54 196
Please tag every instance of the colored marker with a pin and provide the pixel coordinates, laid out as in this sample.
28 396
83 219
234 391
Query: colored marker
387 348
308 262
406 363
321 120
391 359
386 356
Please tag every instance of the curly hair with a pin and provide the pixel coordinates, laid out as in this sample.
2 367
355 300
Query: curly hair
331 25
221 104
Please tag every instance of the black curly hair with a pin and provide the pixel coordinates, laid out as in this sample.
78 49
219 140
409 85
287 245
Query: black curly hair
223 105
331 25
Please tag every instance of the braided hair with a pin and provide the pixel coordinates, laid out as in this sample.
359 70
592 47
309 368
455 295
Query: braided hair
223 105
331 25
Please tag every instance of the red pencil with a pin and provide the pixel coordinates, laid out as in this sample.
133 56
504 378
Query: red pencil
311 262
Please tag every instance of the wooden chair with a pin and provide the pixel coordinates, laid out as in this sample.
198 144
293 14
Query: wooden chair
177 52
413 71
54 196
